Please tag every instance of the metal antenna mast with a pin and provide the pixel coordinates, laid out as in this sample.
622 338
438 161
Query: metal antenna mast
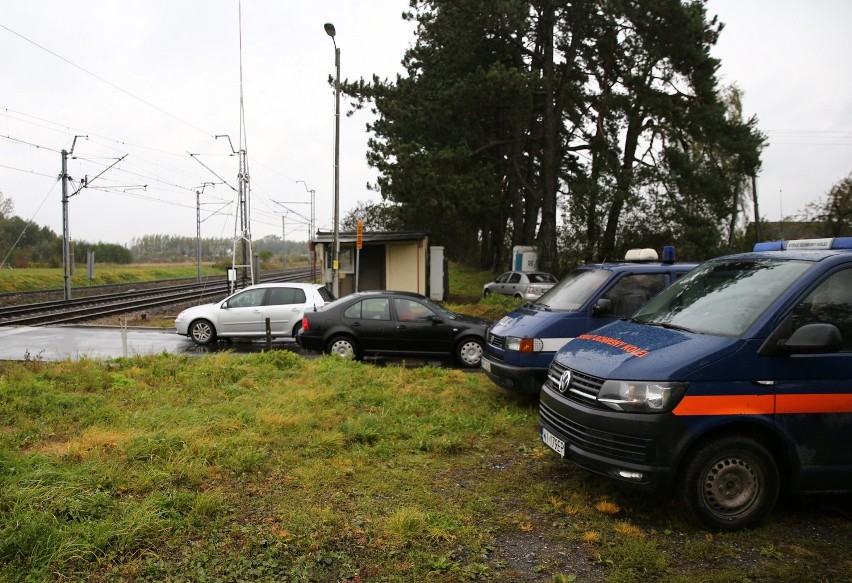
246 265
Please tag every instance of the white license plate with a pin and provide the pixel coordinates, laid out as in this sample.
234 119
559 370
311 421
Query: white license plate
486 366
553 442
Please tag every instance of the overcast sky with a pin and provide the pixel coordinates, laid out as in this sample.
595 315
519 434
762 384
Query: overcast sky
155 80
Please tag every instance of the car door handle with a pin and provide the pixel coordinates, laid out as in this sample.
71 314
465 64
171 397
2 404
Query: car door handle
355 324
400 327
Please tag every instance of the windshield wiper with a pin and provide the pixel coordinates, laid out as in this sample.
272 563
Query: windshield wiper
540 306
667 326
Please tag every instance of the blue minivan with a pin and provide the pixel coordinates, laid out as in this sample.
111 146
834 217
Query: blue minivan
520 346
731 386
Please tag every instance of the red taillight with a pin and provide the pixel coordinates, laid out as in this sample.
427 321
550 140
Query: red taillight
305 326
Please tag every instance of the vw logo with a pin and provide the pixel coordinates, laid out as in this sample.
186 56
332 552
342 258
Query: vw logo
564 381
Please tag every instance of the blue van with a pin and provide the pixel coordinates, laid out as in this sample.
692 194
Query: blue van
520 346
732 385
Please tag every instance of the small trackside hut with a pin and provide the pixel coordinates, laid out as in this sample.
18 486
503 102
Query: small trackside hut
386 261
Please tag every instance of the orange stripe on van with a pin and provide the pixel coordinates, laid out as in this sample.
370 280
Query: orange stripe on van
765 404
726 405
823 403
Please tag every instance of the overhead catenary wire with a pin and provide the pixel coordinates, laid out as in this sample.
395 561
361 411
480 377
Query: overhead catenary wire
152 172
107 82
145 166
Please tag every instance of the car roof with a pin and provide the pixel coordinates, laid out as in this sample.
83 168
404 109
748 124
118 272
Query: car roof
381 292
283 284
797 255
652 266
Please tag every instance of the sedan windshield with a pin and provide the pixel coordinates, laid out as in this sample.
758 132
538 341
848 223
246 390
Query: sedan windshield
722 297
574 289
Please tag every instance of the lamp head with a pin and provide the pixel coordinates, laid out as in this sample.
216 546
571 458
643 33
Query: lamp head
329 29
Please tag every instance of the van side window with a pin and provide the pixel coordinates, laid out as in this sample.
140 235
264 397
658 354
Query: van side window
829 303
631 292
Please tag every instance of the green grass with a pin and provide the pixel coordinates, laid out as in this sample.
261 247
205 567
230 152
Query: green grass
271 467
32 279
466 282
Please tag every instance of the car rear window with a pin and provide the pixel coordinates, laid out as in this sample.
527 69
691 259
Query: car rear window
325 294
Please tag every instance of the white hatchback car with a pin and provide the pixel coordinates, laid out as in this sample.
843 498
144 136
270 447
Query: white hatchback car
244 314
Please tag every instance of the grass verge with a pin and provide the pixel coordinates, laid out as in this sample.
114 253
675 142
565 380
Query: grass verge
272 467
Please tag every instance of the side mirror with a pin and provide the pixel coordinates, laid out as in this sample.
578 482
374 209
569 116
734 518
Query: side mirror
602 307
813 339
437 320
224 306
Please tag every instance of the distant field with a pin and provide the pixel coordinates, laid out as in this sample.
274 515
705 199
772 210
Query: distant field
16 280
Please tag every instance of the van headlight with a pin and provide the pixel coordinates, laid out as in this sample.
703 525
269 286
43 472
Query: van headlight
642 396
524 344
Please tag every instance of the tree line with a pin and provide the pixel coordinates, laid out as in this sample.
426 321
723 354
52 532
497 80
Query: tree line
583 128
24 244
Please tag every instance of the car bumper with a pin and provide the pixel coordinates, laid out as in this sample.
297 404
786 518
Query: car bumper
309 342
633 448
518 379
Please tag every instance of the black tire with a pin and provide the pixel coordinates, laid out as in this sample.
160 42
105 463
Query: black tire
486 293
519 297
468 352
296 328
202 332
343 346
730 483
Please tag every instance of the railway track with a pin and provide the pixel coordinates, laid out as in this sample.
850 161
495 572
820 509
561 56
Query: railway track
115 303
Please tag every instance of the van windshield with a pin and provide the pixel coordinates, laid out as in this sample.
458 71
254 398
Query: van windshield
574 289
722 297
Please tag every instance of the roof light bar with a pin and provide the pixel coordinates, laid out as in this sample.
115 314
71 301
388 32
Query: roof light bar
806 244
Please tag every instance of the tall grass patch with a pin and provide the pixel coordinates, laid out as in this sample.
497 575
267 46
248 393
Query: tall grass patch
272 467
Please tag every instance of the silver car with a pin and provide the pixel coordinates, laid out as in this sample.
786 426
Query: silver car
524 285
245 313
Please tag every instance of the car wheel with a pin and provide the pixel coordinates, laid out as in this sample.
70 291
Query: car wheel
469 352
519 297
730 483
296 328
202 332
486 293
342 346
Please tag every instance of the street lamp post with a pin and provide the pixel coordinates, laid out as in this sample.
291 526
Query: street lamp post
335 264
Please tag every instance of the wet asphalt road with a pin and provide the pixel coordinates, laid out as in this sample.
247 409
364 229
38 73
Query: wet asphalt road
52 343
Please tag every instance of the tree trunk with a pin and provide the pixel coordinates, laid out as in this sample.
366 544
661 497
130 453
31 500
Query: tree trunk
550 158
